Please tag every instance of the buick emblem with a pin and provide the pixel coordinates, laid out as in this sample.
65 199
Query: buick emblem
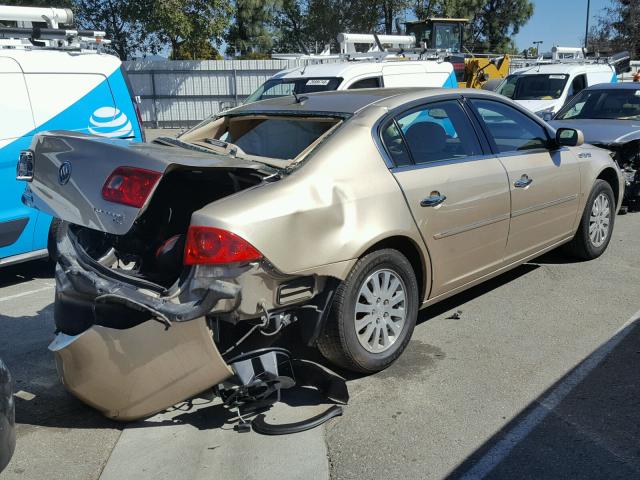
64 173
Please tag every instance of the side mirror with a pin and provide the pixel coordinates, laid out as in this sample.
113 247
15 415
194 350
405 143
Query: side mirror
569 137
547 116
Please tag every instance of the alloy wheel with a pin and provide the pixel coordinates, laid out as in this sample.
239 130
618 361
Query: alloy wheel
380 311
600 220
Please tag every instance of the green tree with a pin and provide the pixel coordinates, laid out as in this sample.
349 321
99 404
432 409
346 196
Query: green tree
390 10
618 28
252 30
122 20
290 27
192 28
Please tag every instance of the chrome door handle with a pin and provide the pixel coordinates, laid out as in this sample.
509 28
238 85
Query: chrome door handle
524 181
433 200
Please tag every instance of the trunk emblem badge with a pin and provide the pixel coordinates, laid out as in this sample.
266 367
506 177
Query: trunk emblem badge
64 173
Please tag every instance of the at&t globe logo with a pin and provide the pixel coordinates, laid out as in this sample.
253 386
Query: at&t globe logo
110 122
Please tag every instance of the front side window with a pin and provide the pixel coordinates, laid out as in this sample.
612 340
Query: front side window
533 86
373 82
577 85
613 104
280 87
511 130
438 131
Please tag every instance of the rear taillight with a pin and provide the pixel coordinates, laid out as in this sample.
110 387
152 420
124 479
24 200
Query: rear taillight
130 186
207 245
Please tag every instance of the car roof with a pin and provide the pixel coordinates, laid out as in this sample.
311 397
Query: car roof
352 69
562 68
615 86
349 102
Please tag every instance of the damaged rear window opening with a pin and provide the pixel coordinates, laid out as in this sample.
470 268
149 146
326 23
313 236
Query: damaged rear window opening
275 140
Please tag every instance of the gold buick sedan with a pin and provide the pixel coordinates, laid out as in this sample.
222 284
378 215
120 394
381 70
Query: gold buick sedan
343 213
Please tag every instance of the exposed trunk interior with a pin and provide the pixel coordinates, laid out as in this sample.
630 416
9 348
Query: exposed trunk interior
153 247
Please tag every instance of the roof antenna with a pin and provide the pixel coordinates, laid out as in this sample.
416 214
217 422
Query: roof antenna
299 99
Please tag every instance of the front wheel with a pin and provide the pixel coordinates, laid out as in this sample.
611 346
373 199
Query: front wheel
596 224
373 313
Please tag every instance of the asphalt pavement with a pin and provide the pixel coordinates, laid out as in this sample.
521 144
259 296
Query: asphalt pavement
536 377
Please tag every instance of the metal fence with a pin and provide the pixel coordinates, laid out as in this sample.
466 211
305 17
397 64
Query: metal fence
178 94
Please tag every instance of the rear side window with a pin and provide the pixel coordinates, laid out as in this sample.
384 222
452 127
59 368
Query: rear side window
394 143
439 131
374 82
511 130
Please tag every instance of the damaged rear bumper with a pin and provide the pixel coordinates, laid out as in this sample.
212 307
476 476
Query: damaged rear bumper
134 373
88 293
108 353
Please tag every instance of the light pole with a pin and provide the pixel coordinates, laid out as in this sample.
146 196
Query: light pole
537 44
586 30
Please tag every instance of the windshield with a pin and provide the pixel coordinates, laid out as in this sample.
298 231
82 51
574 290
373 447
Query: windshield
533 87
448 37
280 87
603 104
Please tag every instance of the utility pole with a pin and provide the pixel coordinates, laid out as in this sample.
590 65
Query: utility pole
586 30
537 44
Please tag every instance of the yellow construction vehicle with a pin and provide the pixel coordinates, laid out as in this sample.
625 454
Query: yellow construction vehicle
446 34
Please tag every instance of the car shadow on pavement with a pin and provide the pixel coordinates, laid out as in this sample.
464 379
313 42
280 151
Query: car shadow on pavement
555 257
587 425
466 296
23 272
40 398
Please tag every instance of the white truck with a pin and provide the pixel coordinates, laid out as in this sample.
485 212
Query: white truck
545 88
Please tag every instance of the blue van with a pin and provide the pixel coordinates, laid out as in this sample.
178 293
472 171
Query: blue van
52 89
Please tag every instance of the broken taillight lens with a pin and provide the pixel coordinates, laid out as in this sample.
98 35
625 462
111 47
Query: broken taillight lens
207 245
130 186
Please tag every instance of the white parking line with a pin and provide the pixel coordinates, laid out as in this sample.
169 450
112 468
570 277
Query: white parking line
523 428
24 294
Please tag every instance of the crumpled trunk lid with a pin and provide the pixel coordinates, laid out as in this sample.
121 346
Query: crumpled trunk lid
70 169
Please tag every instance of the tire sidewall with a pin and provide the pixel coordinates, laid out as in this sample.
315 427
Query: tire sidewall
383 259
600 187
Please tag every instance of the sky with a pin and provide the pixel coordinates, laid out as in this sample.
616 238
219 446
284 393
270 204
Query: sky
558 22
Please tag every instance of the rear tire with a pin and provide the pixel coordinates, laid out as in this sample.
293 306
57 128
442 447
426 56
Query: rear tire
596 225
52 240
373 313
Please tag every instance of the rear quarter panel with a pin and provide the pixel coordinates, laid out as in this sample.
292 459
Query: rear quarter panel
327 213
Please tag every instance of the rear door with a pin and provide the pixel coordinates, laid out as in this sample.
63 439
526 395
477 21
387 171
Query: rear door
544 181
457 191
16 131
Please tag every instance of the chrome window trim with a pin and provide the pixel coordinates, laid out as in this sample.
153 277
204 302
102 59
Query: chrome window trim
376 132
441 163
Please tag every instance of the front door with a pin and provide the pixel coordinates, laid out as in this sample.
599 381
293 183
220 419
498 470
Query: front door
459 196
544 180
